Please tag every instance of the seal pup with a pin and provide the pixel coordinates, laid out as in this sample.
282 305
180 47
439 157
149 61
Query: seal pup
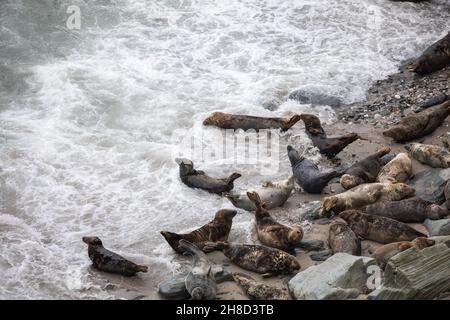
432 102
366 194
200 282
419 124
408 210
398 169
434 156
217 229
258 291
364 171
270 232
108 261
378 228
384 253
434 58
245 122
327 146
341 238
198 179
261 259
272 194
307 173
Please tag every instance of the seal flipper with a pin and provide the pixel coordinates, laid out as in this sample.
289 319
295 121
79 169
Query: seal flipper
293 120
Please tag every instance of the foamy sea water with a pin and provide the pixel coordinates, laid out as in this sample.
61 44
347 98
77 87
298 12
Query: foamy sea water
91 119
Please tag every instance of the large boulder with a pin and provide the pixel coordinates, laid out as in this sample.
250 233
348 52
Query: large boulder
416 274
430 184
341 276
438 227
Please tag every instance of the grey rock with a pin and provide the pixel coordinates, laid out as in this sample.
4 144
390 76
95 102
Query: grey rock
416 274
311 211
221 274
441 239
438 227
174 288
430 184
321 255
342 276
315 98
312 245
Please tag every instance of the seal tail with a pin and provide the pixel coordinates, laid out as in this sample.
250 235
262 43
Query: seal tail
291 121
215 246
141 268
382 151
233 177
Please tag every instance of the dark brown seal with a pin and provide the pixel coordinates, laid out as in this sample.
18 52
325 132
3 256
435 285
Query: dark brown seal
245 122
341 238
419 124
198 179
217 229
384 253
408 210
327 146
364 171
259 291
377 228
257 258
108 261
270 232
434 58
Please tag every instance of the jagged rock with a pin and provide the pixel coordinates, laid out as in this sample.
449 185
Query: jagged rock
321 255
438 227
430 184
175 289
416 274
311 211
342 276
312 245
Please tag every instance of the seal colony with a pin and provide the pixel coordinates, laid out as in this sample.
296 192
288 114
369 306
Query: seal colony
376 204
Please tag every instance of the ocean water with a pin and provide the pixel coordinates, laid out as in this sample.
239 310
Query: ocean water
91 119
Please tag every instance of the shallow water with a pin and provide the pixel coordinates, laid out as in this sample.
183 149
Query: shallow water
91 119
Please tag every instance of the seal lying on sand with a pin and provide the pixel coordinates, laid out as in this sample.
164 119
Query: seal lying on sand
379 229
244 122
407 210
198 179
259 291
200 281
435 57
216 230
107 261
384 253
398 169
420 124
272 194
256 258
327 146
341 238
366 194
307 173
364 171
272 233
434 156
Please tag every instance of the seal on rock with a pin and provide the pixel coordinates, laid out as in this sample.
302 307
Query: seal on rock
420 124
272 194
384 253
434 58
259 291
327 146
434 156
198 179
398 169
245 122
341 238
108 261
261 259
378 228
200 282
366 194
364 171
307 173
407 210
270 232
217 229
